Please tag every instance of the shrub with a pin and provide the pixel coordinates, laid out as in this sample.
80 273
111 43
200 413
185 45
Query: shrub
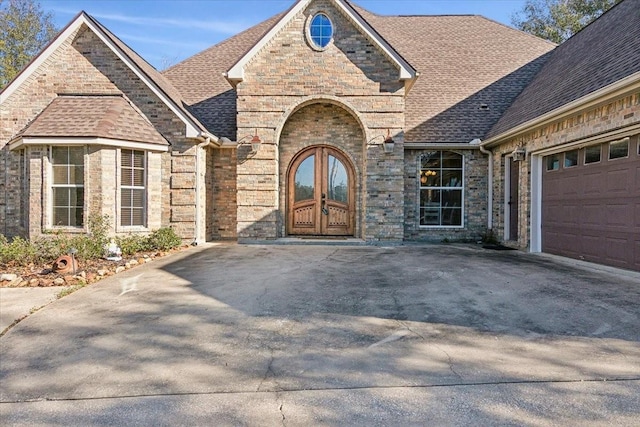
489 237
164 239
19 250
98 233
48 248
129 245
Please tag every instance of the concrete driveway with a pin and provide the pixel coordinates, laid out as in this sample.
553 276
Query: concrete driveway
333 335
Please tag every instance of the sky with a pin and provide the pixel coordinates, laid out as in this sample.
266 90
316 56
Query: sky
165 32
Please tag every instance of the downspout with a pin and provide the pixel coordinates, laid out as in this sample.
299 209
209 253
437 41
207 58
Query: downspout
208 140
6 191
490 183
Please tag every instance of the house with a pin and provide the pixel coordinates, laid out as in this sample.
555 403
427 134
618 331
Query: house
328 120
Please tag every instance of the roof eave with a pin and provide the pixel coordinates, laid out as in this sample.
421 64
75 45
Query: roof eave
623 86
24 141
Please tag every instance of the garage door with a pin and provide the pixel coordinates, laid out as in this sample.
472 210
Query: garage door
591 204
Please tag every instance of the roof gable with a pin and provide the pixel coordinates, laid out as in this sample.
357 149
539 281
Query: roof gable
160 86
406 71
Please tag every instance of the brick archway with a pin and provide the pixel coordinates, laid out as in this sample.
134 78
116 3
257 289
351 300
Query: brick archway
325 124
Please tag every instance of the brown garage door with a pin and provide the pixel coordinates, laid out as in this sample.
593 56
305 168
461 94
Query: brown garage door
591 204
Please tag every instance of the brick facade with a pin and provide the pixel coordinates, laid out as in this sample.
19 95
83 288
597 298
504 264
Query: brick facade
84 65
294 96
351 85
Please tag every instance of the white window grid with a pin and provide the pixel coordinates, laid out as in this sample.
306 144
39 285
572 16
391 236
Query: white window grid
132 188
441 188
68 185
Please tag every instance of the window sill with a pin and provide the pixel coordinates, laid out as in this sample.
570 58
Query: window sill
132 229
70 230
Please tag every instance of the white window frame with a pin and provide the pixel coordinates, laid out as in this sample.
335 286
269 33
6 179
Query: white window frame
311 42
440 188
52 185
625 141
584 156
145 188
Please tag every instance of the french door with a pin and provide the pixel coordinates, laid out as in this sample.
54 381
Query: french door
321 199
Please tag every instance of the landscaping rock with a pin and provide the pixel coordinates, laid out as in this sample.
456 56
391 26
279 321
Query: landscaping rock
8 277
120 269
102 272
59 281
34 282
17 282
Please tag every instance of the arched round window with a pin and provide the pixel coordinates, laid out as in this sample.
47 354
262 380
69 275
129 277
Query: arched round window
320 30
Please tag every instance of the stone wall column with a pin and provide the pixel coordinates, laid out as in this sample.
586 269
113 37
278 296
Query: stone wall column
257 186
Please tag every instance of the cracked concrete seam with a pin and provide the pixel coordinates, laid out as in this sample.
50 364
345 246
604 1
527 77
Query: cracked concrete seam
449 358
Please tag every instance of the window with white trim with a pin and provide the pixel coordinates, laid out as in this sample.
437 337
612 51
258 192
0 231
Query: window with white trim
320 31
133 191
619 149
67 186
441 189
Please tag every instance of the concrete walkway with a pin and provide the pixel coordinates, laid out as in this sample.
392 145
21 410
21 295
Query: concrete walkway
17 303
324 335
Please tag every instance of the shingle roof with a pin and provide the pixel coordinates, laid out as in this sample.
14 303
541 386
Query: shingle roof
602 53
154 75
463 61
200 79
106 116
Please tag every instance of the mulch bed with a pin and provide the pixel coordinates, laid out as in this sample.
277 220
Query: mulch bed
89 271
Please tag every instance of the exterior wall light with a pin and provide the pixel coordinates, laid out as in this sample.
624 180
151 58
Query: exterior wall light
387 144
519 154
255 142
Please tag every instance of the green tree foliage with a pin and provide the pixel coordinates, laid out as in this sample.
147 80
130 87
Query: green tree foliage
24 30
557 20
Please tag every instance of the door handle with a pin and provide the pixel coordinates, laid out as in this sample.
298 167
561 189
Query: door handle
325 211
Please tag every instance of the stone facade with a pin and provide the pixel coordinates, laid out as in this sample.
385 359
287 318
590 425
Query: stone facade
611 115
222 206
282 83
84 65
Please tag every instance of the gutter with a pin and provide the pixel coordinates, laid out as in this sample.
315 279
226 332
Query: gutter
442 145
478 143
207 140
6 191
625 85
